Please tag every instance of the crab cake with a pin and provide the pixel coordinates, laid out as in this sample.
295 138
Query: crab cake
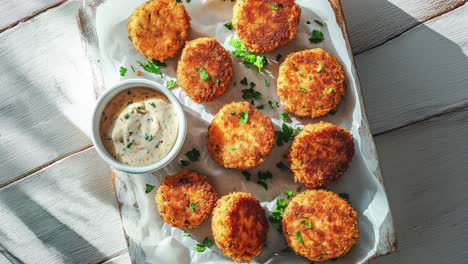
185 199
310 83
159 28
204 70
240 137
320 225
320 154
264 25
239 226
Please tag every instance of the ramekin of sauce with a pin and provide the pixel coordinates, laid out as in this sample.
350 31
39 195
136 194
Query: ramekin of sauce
138 126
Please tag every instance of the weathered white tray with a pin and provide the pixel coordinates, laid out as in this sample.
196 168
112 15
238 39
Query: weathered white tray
151 241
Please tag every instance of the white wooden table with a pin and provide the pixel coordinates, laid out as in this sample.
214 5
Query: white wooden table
57 203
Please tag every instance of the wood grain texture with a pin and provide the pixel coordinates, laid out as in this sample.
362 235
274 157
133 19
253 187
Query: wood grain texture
47 93
63 214
12 12
425 167
371 22
417 75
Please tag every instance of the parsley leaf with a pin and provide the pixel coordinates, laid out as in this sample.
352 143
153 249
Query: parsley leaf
193 155
184 163
192 207
289 194
273 6
299 237
276 216
267 83
308 22
285 117
152 104
203 74
246 175
244 81
319 67
228 25
207 243
149 188
244 117
317 36
171 84
278 57
148 137
303 90
320 23
285 135
282 166
123 71
307 224
263 176
130 144
152 66
241 51
273 105
127 116
251 93
331 90
344 196
186 234
260 107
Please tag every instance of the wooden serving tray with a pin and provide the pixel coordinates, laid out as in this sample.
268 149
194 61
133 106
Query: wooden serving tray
128 206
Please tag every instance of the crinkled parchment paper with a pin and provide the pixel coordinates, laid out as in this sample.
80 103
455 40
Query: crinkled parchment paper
163 244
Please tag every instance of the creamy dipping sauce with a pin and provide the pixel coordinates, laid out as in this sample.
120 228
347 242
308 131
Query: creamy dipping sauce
139 127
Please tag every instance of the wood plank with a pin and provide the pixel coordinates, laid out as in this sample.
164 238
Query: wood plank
47 93
66 213
425 169
12 12
417 75
371 23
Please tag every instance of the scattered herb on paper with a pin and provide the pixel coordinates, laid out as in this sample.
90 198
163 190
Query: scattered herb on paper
317 36
149 188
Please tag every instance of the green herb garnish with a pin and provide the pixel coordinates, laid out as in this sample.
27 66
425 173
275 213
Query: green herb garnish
307 224
344 196
285 135
319 67
273 105
127 116
152 66
317 36
273 6
186 234
263 176
249 58
193 155
192 207
228 25
247 175
251 93
149 188
171 84
207 243
148 137
278 57
299 237
130 144
244 81
260 107
280 165
320 23
184 163
331 90
276 216
303 90
284 116
233 113
244 117
267 83
203 74
308 22
289 194
123 71
152 104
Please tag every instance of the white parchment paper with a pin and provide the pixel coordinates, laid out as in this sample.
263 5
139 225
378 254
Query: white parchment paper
163 244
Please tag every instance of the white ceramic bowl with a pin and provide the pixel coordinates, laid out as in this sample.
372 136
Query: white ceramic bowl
105 98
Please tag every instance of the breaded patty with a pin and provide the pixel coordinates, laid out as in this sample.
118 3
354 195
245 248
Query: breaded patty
240 137
206 54
239 226
264 25
159 28
185 199
320 154
320 225
310 83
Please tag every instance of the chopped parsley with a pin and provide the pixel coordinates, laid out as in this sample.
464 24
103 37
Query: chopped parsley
284 116
148 137
149 188
307 224
184 163
247 175
299 237
152 104
273 105
267 83
285 135
317 36
251 93
299 188
233 113
303 90
171 84
127 116
331 90
280 165
276 216
260 107
228 25
192 207
273 6
308 22
289 194
130 133
207 243
152 66
186 234
123 71
188 1
130 144
278 57
244 81
193 155
133 69
263 177
244 117
333 112
249 58
319 67
141 107
203 74
344 196
320 23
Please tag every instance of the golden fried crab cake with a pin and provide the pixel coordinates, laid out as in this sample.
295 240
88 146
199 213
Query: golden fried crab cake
239 226
310 83
240 137
159 28
319 225
264 25
320 154
185 199
204 70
